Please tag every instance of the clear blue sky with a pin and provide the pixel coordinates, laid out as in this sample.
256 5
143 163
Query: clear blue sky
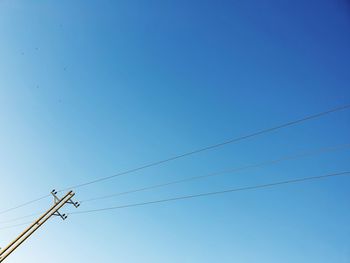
92 88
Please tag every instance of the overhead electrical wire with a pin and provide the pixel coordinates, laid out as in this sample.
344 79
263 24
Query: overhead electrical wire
232 170
238 169
240 189
24 204
16 225
21 217
234 140
246 188
20 224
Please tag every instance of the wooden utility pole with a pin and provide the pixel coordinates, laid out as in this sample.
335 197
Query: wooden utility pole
52 211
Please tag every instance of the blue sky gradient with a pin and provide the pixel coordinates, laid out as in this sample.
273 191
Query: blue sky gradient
92 88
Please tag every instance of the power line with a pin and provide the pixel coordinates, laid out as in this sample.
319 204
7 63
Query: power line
19 218
286 158
233 170
264 131
247 188
24 204
17 225
260 186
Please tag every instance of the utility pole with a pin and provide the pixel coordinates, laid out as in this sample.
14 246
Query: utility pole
52 211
